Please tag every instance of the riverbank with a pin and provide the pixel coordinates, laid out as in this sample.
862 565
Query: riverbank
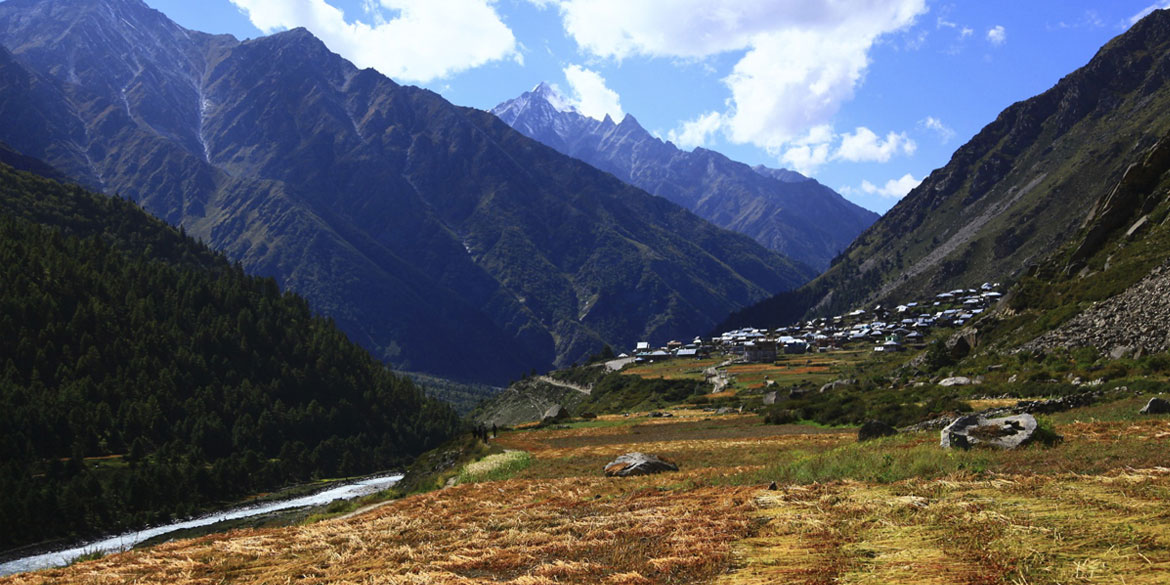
283 508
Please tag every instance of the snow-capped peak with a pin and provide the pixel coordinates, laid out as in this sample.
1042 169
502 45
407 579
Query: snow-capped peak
551 94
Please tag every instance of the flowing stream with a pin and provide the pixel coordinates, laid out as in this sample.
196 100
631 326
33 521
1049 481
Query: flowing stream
121 542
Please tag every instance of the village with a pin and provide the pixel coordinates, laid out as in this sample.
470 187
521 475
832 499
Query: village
884 328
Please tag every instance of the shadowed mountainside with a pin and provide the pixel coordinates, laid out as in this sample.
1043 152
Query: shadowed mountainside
780 209
1016 192
435 236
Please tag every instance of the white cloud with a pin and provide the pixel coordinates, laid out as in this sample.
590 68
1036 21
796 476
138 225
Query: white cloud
426 40
865 146
893 189
801 60
934 124
966 32
590 96
997 35
696 132
810 151
820 145
1147 10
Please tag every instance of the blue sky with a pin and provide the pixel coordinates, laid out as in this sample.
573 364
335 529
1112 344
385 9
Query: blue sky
867 96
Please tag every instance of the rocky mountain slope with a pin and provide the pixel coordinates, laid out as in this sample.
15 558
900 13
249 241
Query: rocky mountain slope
780 209
435 236
1016 192
1108 288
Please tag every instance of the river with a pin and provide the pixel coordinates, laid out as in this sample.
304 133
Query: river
122 542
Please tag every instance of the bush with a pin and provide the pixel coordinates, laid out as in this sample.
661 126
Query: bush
780 416
1046 433
1154 364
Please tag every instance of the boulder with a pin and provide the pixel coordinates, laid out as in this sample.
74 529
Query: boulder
723 410
961 343
1007 432
770 397
955 381
554 414
1156 406
638 464
875 429
835 384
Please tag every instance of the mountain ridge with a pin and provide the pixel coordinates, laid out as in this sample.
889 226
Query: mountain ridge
383 204
1013 194
798 217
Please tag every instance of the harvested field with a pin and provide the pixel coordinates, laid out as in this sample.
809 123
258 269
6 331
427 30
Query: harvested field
894 510
1003 529
523 532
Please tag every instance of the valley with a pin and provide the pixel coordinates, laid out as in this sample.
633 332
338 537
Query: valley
553 343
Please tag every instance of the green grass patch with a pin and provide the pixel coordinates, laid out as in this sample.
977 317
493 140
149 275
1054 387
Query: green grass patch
89 556
883 461
497 467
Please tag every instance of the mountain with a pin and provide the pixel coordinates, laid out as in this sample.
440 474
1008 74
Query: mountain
143 376
780 209
436 236
1022 188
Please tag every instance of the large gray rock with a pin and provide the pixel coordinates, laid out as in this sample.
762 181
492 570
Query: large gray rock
554 414
956 381
1156 406
770 397
835 384
638 464
1008 432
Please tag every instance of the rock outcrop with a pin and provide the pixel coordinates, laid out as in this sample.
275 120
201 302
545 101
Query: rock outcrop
638 464
555 413
1027 406
1156 406
1002 433
1137 321
835 384
955 381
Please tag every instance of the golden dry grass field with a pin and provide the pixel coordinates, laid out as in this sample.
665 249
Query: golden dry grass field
1094 509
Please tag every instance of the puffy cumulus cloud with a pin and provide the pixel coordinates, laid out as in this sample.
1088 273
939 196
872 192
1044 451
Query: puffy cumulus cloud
591 97
894 188
696 132
425 40
820 145
997 35
806 153
801 60
865 146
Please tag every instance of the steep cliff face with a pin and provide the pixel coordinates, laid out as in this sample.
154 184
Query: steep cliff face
780 209
436 236
1017 191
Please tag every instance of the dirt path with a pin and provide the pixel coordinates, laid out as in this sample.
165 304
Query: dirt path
718 377
615 365
563 384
